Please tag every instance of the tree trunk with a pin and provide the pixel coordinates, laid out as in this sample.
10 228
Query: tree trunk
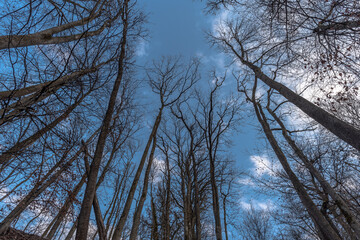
125 213
197 201
96 206
344 208
84 216
167 201
137 215
35 192
215 200
54 225
42 88
188 221
120 189
47 36
225 222
341 129
319 220
154 230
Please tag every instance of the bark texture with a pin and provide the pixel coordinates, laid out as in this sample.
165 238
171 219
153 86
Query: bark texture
338 127
120 226
84 216
319 220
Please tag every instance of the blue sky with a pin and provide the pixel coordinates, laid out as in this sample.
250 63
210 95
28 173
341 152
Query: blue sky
176 27
179 27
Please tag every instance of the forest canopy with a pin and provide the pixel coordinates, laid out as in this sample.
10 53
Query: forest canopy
250 133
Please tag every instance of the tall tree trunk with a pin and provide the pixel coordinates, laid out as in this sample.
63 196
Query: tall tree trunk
225 219
125 213
215 200
154 228
96 206
197 201
185 207
319 220
339 201
114 205
137 215
341 129
84 216
55 224
167 200
188 205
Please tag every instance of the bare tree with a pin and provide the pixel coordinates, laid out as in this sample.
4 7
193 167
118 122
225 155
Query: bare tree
253 47
216 120
256 224
170 80
61 21
83 222
326 230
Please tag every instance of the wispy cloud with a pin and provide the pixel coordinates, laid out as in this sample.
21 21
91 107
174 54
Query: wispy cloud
263 166
261 205
142 47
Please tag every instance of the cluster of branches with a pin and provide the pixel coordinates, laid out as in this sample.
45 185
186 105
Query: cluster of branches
192 180
62 62
68 121
302 55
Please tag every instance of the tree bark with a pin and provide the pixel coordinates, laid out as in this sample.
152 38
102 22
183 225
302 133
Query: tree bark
84 216
42 88
167 201
137 215
346 25
215 201
225 220
46 37
154 230
338 127
126 210
344 208
319 220
96 206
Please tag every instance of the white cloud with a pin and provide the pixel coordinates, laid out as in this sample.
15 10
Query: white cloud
245 205
141 49
263 166
260 205
158 166
246 181
219 20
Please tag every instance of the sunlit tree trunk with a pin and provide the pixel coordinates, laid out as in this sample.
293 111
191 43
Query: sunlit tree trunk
341 129
319 220
339 201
